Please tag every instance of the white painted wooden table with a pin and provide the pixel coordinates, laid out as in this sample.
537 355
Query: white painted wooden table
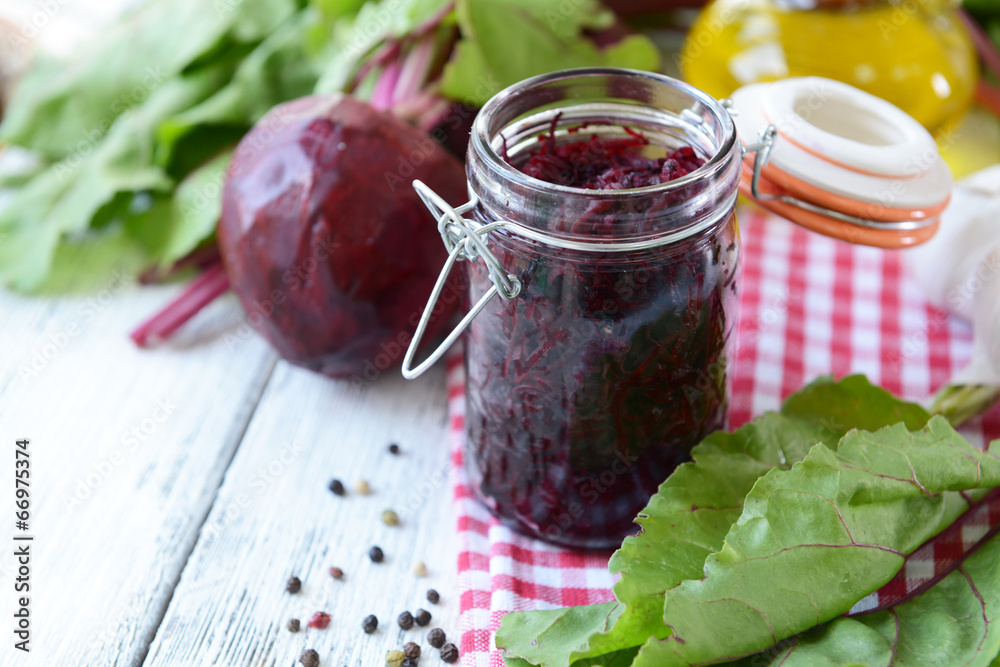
174 491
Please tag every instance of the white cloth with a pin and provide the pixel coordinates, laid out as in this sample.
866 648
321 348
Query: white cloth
959 269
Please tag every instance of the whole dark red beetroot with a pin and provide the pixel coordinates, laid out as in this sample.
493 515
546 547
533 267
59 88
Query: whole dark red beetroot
324 239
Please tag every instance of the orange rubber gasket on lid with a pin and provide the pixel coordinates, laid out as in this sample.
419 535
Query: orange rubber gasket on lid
837 202
838 229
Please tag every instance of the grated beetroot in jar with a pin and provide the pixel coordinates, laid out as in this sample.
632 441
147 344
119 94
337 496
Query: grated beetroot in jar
590 387
614 213
605 164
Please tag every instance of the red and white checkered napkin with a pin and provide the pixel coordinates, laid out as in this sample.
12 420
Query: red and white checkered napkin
810 306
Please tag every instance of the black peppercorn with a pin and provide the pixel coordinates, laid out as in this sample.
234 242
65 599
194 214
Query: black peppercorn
436 638
337 487
309 658
409 662
336 573
423 617
394 448
433 596
370 624
405 620
294 585
412 650
449 653
376 554
293 625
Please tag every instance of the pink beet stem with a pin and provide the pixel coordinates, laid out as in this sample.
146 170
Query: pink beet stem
385 54
414 70
203 290
435 115
382 95
388 53
416 106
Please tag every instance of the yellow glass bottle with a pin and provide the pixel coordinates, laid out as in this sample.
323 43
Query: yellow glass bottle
913 53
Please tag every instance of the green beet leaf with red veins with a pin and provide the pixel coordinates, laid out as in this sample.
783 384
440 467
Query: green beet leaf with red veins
750 554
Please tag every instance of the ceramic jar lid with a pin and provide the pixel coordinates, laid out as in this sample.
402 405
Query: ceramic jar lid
840 161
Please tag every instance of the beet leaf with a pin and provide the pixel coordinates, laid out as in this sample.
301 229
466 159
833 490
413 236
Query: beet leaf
776 529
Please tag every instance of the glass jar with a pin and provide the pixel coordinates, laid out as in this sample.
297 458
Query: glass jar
913 53
591 384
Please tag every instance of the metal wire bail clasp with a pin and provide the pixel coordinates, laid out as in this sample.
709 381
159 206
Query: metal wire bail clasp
762 155
464 240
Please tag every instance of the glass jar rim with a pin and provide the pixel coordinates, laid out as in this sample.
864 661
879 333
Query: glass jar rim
482 141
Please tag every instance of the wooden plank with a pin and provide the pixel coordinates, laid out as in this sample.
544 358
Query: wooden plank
128 449
274 517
